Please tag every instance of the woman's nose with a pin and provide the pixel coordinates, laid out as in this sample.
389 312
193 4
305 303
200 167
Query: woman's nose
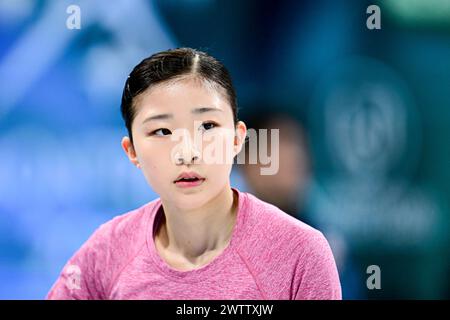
186 152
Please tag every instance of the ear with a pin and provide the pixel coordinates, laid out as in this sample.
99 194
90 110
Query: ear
130 152
239 137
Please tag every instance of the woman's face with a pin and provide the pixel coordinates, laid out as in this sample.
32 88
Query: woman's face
178 121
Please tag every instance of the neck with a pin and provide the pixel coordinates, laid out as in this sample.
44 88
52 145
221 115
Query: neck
195 233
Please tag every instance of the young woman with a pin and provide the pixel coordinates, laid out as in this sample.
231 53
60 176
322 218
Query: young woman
202 239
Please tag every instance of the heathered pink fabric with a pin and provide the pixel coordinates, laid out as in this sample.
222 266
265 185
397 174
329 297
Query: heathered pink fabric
271 255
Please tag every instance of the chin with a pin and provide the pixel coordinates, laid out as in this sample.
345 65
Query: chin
191 202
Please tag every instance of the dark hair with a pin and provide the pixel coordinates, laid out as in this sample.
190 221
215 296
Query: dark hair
170 65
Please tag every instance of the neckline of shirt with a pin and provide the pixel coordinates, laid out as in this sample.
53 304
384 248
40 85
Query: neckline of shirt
203 272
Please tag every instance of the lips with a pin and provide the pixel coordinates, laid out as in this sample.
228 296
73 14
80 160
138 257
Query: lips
189 177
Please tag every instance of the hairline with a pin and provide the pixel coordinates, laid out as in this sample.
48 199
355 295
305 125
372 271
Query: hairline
197 78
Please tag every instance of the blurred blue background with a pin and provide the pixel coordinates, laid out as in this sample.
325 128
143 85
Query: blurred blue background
375 105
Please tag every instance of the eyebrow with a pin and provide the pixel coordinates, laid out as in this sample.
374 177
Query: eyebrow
165 116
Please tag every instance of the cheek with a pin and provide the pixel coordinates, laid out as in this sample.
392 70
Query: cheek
157 171
220 146
154 158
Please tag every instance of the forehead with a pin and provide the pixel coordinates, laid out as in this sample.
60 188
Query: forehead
181 96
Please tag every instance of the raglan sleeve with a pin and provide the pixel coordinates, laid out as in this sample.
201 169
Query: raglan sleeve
86 275
316 275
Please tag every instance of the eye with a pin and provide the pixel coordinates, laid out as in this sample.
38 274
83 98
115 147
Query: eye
209 125
160 132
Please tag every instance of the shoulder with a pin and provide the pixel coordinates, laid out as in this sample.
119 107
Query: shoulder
288 257
127 228
271 225
271 237
118 239
102 256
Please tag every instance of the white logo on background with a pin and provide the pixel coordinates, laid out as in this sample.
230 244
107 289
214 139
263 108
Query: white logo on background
374 20
73 21
374 280
219 148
